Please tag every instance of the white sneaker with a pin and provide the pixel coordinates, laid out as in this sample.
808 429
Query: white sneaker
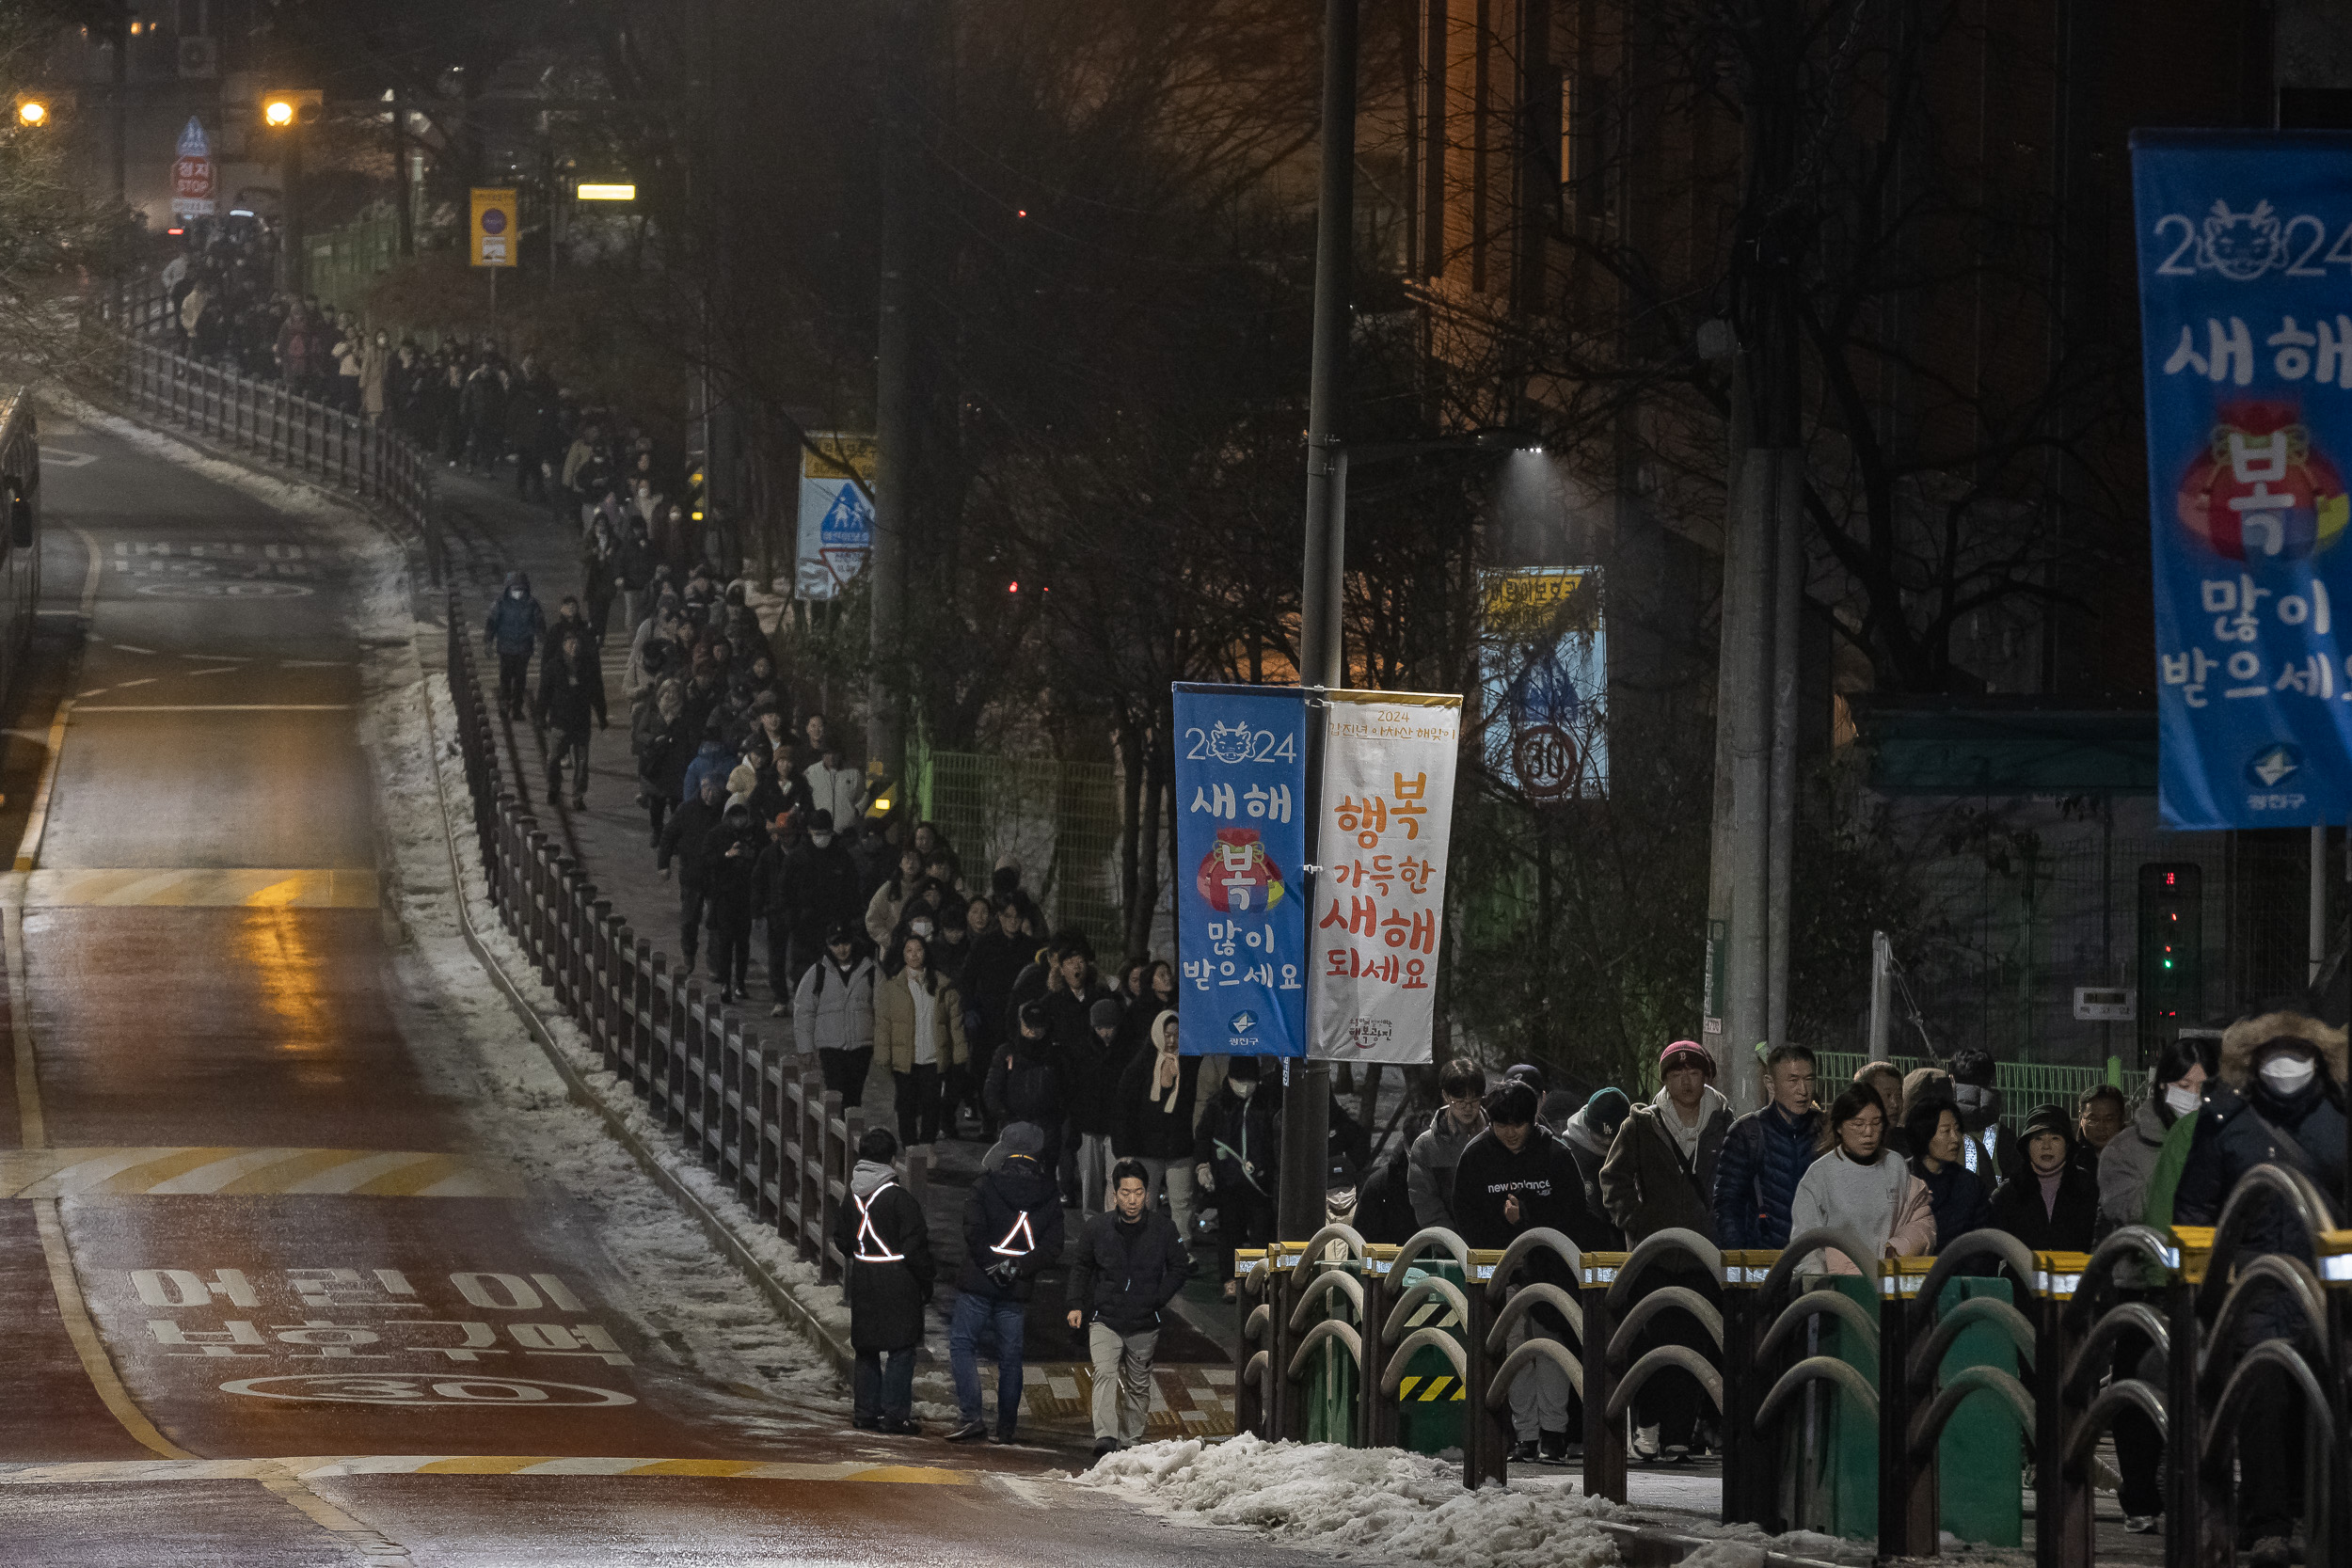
2142 1524
1645 1443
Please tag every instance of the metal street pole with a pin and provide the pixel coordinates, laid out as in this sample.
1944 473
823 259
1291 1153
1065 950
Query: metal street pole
1306 1101
894 405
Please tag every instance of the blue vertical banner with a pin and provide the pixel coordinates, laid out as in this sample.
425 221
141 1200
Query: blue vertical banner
1241 848
2246 331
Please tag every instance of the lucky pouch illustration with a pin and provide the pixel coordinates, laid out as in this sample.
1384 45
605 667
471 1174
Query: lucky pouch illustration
1237 876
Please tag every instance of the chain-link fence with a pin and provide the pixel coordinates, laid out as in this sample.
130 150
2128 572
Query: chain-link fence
1060 819
2024 1085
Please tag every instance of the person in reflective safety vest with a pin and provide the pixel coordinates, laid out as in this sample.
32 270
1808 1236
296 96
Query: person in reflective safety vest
887 1277
1012 1230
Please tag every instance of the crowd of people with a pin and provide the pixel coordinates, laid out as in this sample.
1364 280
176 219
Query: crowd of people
1896 1161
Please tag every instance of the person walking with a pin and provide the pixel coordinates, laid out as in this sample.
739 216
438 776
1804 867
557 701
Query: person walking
1153 1116
664 743
1093 1070
833 1015
886 1253
2053 1203
1237 1155
1128 1265
729 854
571 697
683 841
918 1030
1513 1177
1858 1184
1429 1173
1589 1132
1023 1083
512 631
1012 1232
1767 1153
1956 1199
1660 1176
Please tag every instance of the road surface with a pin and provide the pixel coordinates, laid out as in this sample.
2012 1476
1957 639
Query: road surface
273 1296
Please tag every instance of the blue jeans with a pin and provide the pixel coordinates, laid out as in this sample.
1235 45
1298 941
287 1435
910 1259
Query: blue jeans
880 1393
976 1315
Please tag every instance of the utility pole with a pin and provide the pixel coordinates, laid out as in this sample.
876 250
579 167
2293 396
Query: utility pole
121 119
894 396
1307 1099
401 176
1756 683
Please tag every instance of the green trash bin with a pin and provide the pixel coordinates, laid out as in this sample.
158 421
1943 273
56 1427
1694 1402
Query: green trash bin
1430 1399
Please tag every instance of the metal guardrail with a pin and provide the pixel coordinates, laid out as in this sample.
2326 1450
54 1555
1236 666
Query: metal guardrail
1333 1296
757 1116
367 457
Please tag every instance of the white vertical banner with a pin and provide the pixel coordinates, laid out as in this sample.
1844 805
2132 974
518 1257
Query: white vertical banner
1387 811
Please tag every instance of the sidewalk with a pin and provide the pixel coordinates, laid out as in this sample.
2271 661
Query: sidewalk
489 533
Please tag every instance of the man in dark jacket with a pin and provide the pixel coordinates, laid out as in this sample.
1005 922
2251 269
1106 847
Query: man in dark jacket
682 839
1766 1154
2281 1102
887 1277
1513 1177
1023 1083
1012 1230
1129 1263
820 888
1069 997
999 955
1237 1158
571 696
729 853
2054 1206
512 632
1092 1070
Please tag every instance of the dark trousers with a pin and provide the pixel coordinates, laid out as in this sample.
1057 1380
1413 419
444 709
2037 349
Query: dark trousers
1245 1218
978 1317
691 907
845 1072
963 1088
514 682
563 748
918 1104
1670 1399
531 480
2270 1457
880 1393
782 972
730 952
657 804
2138 1446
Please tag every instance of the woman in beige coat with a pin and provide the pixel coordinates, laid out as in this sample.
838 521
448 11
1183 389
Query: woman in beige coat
918 1030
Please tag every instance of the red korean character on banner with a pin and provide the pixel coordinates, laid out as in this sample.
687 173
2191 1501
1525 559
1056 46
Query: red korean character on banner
1410 809
1367 819
1361 918
1415 875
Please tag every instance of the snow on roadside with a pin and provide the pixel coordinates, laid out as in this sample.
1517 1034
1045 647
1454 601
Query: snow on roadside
1360 1502
689 1301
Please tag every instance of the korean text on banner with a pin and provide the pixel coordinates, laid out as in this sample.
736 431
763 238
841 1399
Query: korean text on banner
1388 805
1241 846
2247 361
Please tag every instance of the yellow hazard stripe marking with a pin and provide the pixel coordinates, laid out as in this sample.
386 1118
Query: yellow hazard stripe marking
201 887
49 1173
476 1465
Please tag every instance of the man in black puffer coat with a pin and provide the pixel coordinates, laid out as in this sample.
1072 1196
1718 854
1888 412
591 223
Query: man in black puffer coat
1128 1265
887 1277
1012 1231
2281 1102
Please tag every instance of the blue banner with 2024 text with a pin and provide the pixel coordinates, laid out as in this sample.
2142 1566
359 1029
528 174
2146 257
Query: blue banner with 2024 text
2246 325
1241 842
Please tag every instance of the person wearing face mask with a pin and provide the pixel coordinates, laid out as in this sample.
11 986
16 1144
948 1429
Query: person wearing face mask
2280 1102
1237 1155
512 631
2155 1139
819 888
1986 1147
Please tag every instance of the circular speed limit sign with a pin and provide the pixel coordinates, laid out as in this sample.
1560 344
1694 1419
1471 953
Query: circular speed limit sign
1545 759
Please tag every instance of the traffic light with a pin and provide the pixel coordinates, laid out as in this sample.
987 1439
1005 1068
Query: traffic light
2171 951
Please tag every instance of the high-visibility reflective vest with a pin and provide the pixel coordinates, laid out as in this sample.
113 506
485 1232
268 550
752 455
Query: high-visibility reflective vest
1021 1234
867 1237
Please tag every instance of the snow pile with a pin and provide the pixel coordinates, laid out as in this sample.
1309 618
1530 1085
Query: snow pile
1360 1502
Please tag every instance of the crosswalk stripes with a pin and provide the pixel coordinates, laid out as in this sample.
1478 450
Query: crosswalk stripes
202 888
53 1173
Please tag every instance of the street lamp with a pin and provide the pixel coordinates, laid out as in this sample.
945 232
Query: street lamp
31 112
287 112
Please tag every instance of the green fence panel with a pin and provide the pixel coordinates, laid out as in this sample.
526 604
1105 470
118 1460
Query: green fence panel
1981 1467
1060 819
1845 1469
2022 1084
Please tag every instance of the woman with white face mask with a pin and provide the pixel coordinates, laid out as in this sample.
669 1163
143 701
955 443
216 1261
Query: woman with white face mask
2280 1102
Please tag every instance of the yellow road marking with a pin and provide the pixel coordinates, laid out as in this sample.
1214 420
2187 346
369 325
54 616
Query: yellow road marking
51 1173
201 887
29 848
315 1468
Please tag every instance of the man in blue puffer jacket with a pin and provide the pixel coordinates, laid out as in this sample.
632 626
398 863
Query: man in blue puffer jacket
1766 1154
513 630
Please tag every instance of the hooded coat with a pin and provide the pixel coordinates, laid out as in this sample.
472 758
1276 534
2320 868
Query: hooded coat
1012 1218
514 624
1429 1169
833 1011
1647 1184
887 1272
2243 1124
